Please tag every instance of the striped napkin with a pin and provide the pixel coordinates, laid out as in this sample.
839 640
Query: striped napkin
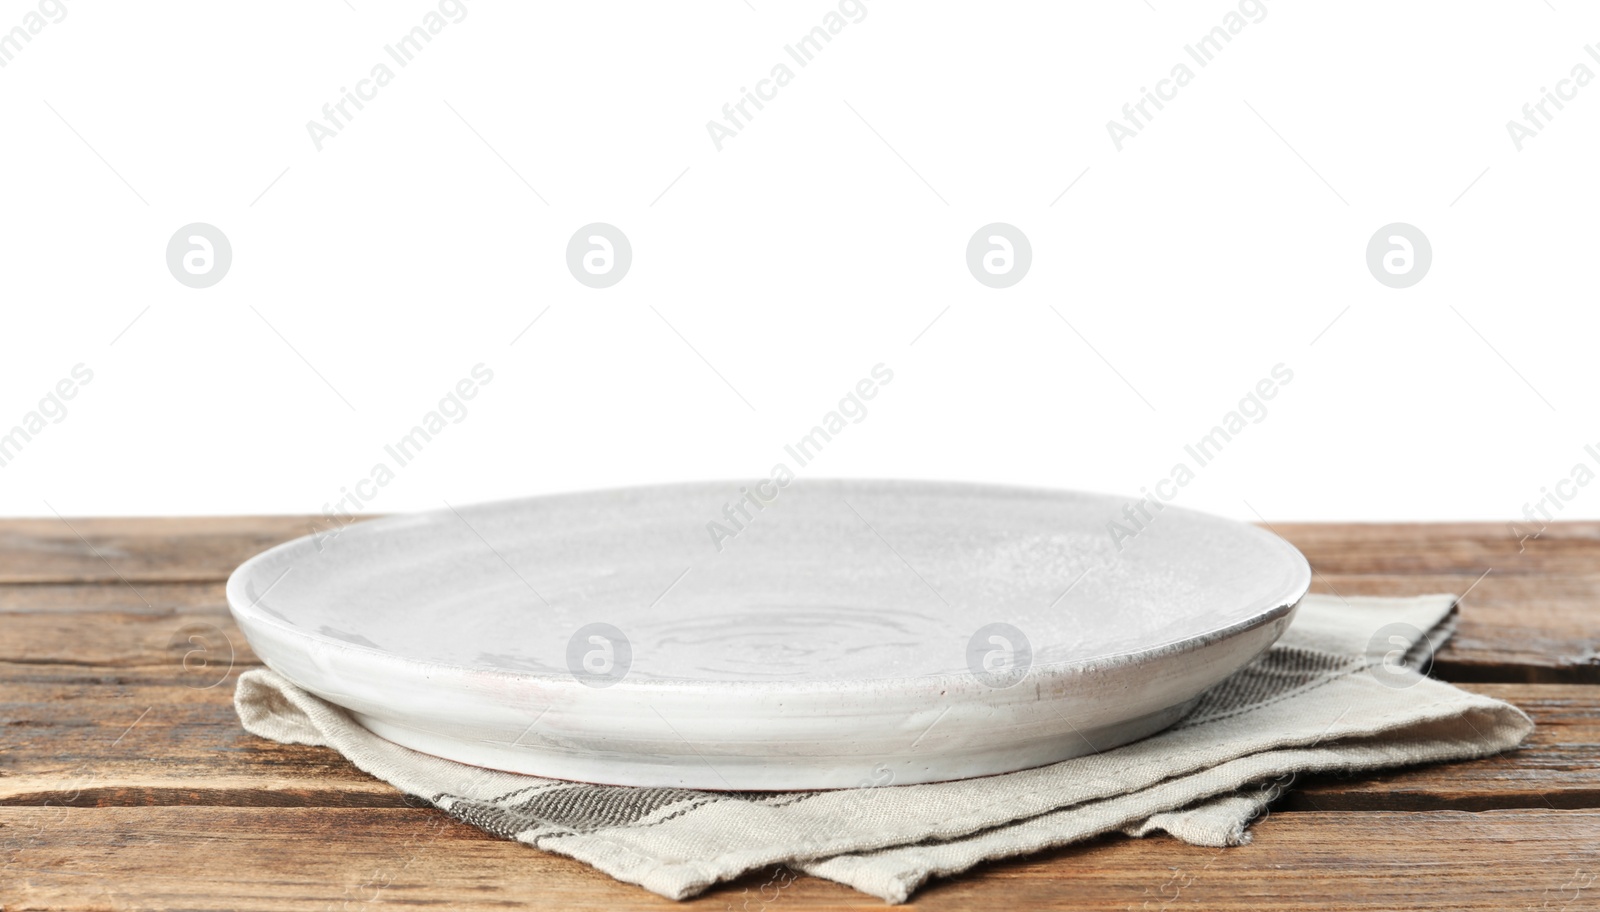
1343 690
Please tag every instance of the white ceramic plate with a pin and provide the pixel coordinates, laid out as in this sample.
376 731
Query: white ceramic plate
845 633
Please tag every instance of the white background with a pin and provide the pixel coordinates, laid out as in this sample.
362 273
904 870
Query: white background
1222 240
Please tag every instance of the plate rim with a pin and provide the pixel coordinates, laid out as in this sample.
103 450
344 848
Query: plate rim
248 615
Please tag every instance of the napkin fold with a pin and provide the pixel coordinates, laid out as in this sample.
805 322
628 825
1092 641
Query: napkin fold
1343 690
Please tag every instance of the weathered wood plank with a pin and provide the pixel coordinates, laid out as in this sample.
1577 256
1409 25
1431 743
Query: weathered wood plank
69 737
1459 549
1532 602
1349 861
138 550
1511 628
1555 768
182 643
112 598
91 737
325 858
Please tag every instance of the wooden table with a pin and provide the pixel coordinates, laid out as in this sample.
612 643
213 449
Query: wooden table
127 783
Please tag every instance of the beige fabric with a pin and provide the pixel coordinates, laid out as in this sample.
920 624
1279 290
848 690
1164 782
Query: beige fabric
1338 692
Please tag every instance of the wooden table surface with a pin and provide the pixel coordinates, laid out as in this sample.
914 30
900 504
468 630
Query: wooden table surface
127 783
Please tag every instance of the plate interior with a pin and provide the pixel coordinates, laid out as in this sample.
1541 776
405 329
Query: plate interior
829 582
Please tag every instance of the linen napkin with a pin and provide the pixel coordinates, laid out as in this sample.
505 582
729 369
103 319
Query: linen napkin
1342 690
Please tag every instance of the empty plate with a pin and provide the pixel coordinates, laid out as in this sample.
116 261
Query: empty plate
809 634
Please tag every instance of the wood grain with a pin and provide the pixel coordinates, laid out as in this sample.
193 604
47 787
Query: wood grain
276 859
113 598
1530 607
88 738
113 640
1456 549
126 781
1555 768
1512 628
137 550
69 742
